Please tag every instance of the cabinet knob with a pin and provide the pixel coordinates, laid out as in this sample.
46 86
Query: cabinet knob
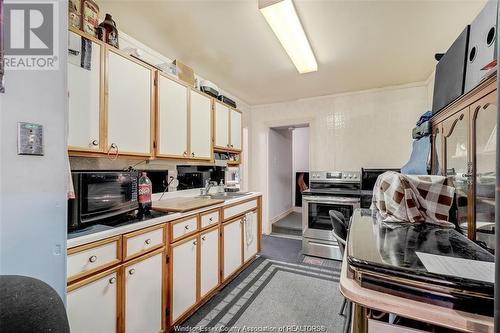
192 154
131 271
211 219
232 146
194 242
185 153
95 143
186 227
148 241
112 147
203 238
112 280
93 258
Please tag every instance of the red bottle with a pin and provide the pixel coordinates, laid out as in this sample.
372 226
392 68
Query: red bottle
145 191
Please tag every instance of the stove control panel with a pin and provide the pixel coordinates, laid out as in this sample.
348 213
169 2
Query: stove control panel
339 176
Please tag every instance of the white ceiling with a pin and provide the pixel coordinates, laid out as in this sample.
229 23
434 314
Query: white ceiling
358 44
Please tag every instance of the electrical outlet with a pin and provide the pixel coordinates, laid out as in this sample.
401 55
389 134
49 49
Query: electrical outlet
29 139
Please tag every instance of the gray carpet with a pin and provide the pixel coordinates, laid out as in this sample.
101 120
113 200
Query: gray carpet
272 293
289 225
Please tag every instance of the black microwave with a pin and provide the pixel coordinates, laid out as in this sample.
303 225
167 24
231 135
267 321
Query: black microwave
100 195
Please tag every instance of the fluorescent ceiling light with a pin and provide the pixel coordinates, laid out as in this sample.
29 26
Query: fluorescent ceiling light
283 19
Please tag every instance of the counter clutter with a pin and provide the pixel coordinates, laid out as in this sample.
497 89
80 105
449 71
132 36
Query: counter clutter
152 274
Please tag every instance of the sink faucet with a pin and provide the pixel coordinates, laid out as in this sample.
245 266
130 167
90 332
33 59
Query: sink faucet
208 185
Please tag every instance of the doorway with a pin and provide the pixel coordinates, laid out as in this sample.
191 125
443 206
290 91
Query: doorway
288 178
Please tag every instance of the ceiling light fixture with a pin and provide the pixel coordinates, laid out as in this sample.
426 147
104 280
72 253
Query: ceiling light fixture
284 21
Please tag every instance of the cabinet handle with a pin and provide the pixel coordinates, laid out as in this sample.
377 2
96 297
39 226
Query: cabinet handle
112 280
95 143
148 241
185 154
203 238
211 219
186 227
113 146
131 271
232 146
194 242
93 258
192 154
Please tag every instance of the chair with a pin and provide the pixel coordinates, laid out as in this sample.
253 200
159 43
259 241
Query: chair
30 305
339 231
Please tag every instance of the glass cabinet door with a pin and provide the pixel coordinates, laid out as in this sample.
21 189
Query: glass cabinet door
484 129
456 135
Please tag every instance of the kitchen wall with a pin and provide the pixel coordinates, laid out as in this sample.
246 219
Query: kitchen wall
300 152
280 172
348 131
33 189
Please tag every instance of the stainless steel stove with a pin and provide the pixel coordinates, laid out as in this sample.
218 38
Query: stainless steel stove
328 190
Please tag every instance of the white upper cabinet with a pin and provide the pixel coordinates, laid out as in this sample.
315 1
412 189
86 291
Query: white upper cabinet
129 106
172 138
143 295
221 125
235 140
201 126
209 261
84 93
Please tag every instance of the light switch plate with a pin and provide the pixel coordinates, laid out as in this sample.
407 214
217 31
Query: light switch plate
29 139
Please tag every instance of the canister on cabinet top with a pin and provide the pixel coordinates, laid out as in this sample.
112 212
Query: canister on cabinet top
482 41
90 17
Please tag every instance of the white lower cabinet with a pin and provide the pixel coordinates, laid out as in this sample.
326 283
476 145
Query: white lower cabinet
92 305
143 294
209 261
232 246
250 236
183 275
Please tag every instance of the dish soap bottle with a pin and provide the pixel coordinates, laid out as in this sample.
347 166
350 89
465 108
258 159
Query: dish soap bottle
145 190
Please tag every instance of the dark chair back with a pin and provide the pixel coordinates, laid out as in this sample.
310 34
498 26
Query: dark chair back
339 229
29 305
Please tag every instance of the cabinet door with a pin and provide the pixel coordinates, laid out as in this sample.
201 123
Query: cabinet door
250 236
92 306
484 150
183 265
172 118
209 261
129 106
221 125
458 168
201 126
232 246
143 294
235 141
84 93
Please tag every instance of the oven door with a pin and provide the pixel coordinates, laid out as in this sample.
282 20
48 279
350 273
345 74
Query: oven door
316 218
107 194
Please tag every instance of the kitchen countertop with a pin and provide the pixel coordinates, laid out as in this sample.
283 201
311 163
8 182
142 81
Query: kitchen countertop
101 232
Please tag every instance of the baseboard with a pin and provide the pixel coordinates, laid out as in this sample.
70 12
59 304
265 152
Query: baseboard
297 209
282 215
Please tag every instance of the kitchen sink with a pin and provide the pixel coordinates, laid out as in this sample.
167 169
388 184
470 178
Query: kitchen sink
225 195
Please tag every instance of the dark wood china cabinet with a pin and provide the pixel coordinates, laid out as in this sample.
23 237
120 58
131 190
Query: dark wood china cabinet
464 149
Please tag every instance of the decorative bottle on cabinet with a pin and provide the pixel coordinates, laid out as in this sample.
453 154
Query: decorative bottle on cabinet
107 31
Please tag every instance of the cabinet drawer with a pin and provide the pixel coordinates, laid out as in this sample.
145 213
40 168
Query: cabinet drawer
184 227
209 219
239 209
89 258
142 241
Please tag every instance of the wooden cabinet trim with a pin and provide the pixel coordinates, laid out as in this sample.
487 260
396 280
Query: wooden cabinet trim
94 277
